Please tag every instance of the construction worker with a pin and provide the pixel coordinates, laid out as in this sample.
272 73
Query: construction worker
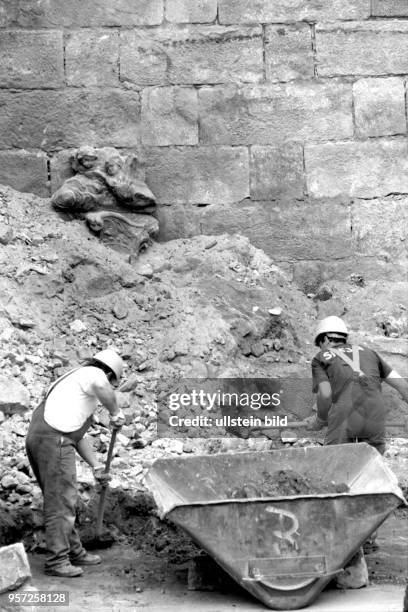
56 431
347 379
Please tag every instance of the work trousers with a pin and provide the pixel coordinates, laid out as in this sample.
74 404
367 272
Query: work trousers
353 421
52 459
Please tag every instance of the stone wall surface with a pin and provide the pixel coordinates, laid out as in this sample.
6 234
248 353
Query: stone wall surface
274 119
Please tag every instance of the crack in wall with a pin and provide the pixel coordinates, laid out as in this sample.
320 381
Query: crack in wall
49 186
314 49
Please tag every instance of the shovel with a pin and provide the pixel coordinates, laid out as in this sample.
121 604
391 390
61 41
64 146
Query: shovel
103 539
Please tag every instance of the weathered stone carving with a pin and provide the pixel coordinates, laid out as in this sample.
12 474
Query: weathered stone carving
104 179
124 234
107 187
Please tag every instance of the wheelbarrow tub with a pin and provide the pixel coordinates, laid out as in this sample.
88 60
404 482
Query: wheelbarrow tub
283 550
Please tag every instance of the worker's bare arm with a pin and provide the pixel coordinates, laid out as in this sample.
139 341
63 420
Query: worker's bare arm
85 451
398 383
106 396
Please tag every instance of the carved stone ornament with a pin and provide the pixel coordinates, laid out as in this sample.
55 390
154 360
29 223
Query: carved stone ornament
106 187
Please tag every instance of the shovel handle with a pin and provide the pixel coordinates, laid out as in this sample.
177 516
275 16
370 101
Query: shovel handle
102 498
110 450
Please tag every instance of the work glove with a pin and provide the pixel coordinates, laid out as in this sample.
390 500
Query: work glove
314 423
100 475
117 420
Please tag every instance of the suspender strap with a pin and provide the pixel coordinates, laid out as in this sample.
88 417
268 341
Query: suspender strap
55 383
355 363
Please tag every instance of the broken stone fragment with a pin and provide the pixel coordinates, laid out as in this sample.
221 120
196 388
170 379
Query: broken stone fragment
14 397
257 349
120 311
9 481
24 323
277 345
14 567
77 326
144 269
6 234
276 312
288 436
324 293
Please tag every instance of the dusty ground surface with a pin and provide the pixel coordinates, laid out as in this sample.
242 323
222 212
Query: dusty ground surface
131 579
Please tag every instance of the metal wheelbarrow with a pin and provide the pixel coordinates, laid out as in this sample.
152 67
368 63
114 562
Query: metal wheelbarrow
283 549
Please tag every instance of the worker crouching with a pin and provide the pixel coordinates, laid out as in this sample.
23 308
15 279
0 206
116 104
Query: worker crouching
347 379
56 431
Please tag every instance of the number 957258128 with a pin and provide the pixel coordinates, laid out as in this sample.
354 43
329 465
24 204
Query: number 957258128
38 598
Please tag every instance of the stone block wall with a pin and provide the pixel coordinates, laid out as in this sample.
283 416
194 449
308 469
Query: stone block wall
285 121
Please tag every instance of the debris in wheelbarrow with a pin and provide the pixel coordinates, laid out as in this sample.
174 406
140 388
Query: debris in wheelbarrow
282 483
284 548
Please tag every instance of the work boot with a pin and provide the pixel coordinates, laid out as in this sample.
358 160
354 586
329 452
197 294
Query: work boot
87 559
64 571
355 574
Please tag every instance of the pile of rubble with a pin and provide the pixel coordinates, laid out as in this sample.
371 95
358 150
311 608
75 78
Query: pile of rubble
205 307
201 308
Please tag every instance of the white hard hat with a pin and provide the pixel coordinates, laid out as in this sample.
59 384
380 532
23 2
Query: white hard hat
110 358
331 325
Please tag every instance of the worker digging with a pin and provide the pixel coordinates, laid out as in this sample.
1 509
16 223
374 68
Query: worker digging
56 431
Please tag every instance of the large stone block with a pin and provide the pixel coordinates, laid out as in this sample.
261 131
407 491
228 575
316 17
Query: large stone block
264 11
381 226
192 55
379 107
361 169
198 175
31 59
288 52
169 116
24 171
179 221
143 60
61 169
77 13
362 48
92 58
277 172
51 119
14 567
309 275
286 230
14 397
265 114
389 8
191 11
